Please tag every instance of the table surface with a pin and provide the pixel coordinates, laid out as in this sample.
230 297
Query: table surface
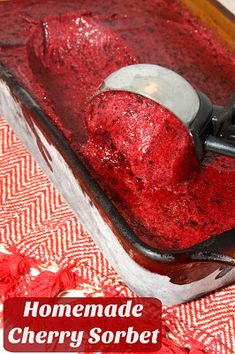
229 4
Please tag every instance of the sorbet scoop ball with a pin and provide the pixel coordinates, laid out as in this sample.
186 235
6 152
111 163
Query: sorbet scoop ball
211 127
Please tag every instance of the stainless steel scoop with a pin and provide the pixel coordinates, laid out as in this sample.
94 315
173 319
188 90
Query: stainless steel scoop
211 127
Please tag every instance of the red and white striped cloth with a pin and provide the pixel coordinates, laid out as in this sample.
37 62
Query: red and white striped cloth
44 235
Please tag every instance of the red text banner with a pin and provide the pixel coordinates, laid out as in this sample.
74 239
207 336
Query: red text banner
82 325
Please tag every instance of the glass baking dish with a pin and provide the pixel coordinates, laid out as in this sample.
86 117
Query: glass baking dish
173 277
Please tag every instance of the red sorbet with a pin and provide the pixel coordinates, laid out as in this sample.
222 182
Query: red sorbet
145 159
140 154
70 55
135 144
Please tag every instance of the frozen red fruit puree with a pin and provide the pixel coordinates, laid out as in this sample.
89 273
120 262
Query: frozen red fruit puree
145 160
71 55
138 139
138 151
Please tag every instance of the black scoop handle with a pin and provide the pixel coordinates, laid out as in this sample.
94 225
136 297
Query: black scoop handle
222 140
220 146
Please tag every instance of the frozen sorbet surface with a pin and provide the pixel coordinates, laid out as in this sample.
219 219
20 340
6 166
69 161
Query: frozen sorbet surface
138 151
145 159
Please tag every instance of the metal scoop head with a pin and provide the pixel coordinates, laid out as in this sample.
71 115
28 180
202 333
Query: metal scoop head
191 107
160 84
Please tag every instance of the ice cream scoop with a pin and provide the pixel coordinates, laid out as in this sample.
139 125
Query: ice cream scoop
211 127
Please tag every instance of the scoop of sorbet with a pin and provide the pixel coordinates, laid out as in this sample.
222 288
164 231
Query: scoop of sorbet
134 140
